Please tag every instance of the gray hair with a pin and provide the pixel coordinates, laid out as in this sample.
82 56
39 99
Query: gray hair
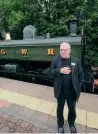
66 44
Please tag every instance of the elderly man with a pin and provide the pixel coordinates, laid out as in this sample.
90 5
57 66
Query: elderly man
68 80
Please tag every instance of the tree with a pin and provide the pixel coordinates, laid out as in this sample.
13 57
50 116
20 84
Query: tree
51 16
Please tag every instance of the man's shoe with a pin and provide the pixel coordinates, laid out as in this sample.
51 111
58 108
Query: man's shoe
73 129
60 130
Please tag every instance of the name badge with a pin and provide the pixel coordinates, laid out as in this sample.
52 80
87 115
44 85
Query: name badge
73 64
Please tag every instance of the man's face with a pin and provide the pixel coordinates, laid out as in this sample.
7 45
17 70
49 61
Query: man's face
65 51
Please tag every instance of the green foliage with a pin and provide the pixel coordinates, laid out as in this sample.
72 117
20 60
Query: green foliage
14 19
51 16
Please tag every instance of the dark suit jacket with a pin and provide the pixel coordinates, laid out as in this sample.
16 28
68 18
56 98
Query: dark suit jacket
77 75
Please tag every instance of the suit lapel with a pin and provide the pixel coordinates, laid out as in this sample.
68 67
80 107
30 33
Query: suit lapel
60 62
73 64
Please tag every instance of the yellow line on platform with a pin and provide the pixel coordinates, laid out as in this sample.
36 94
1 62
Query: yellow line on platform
92 120
84 117
14 97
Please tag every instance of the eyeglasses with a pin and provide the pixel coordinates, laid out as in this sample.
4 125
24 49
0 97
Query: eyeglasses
64 49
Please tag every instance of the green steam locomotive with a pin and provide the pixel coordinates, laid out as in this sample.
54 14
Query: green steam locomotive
32 56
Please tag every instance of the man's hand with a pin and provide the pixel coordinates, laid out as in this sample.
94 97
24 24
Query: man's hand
65 70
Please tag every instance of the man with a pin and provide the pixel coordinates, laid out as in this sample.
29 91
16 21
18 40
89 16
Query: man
69 76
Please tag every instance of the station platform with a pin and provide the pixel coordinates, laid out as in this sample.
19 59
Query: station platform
31 108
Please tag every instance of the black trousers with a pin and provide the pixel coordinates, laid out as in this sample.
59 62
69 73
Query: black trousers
71 102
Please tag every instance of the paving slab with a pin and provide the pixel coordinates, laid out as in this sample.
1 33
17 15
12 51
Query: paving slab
46 107
25 111
91 130
39 118
16 107
34 103
92 120
81 117
53 113
4 81
80 128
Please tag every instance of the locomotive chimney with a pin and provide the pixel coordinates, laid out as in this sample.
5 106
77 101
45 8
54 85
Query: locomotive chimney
72 25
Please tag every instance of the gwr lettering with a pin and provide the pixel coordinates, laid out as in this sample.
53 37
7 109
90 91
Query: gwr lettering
2 51
50 51
24 51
